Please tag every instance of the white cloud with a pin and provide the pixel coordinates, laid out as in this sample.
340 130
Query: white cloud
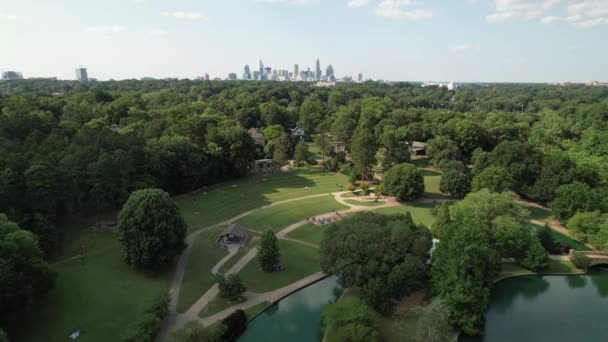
549 20
104 29
185 15
11 17
401 9
358 3
289 2
580 13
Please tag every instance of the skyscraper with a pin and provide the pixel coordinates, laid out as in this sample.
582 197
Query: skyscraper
318 70
360 78
246 72
81 75
330 73
296 71
261 66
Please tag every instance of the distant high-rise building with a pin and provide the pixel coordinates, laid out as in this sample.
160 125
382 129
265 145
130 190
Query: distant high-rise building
206 77
329 72
232 76
360 77
82 75
318 70
246 72
296 71
261 66
11 75
257 75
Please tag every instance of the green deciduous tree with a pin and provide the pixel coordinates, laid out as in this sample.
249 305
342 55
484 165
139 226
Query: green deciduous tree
434 323
455 182
442 220
25 276
384 256
363 151
350 320
151 229
268 252
301 153
493 178
404 181
231 287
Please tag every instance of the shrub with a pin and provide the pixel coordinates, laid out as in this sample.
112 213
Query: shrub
581 261
194 331
235 324
231 287
268 252
351 187
148 324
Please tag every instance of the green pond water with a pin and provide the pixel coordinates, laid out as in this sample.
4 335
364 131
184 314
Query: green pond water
548 308
296 317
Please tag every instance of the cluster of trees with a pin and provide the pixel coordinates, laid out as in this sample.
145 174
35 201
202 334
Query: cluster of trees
476 234
590 227
384 256
148 324
403 181
228 330
231 287
350 320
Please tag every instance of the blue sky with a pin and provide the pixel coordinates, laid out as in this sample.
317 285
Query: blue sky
417 40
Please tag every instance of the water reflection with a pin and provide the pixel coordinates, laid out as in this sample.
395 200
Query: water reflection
295 318
576 282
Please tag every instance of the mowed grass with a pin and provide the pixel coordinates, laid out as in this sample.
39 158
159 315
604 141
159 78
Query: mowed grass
561 238
422 213
280 216
431 187
298 260
197 276
217 304
220 202
101 299
308 233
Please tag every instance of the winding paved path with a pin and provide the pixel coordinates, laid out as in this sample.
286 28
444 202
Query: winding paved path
176 320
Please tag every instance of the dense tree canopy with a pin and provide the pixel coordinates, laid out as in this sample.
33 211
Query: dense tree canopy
385 256
269 255
483 228
350 320
404 181
151 229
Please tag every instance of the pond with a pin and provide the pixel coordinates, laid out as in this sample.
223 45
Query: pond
548 308
295 318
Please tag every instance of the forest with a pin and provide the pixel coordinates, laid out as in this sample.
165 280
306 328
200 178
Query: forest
71 149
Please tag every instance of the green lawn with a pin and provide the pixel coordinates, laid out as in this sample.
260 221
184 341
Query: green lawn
431 187
561 238
365 204
280 216
197 276
299 261
235 258
510 269
256 310
216 305
421 213
101 299
308 233
220 202
560 267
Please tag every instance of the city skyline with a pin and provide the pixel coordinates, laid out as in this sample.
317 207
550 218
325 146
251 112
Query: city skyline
395 40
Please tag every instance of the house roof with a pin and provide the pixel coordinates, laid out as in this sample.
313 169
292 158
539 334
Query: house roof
237 230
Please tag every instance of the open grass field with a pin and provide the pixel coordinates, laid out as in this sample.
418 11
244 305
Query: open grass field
241 253
101 299
299 261
216 305
431 187
220 202
197 276
280 216
421 213
365 203
561 238
308 233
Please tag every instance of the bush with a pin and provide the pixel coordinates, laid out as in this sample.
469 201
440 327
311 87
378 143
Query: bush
151 229
351 187
346 169
268 252
235 324
231 287
148 324
3 337
365 188
194 331
581 261
404 181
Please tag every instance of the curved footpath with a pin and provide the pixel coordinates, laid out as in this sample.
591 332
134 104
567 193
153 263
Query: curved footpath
176 320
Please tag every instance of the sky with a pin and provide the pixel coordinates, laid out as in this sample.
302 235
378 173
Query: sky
398 40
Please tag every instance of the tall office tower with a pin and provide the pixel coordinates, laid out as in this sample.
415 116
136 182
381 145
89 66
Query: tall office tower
246 72
360 78
296 71
206 77
330 72
256 75
261 66
318 70
81 75
232 76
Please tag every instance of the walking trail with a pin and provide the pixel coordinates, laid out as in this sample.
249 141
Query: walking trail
177 320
